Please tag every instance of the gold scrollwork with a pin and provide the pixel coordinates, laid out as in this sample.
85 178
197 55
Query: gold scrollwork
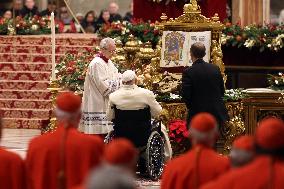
235 126
217 56
54 89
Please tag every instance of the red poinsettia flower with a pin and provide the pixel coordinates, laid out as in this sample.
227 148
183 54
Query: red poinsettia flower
71 64
172 135
178 131
185 134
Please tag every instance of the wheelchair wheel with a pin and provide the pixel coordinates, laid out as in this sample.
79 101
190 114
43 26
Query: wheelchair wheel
155 156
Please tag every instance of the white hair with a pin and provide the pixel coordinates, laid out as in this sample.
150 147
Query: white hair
110 177
240 157
63 115
203 137
104 44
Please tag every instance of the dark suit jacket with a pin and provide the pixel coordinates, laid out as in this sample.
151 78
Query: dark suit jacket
203 90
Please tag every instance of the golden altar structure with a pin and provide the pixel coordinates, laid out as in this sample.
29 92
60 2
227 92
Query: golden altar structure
260 105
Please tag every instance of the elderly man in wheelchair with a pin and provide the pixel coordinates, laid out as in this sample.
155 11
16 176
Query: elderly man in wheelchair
131 110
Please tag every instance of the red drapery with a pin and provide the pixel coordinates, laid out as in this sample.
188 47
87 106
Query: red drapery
147 10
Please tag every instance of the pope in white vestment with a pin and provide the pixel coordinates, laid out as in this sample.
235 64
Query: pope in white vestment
102 78
132 97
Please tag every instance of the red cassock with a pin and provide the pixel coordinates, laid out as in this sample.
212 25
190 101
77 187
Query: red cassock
12 171
198 166
262 173
44 158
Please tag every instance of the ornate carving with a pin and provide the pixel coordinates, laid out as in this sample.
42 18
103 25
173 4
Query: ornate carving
235 126
172 111
54 89
169 84
119 57
217 57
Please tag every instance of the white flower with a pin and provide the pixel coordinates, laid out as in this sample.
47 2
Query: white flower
280 73
56 71
174 96
276 82
249 43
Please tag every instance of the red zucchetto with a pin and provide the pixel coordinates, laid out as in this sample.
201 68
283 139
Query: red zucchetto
270 134
120 151
68 102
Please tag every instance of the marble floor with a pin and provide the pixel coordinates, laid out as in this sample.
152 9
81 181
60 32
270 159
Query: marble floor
17 140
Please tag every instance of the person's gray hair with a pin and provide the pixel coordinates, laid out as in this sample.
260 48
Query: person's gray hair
110 177
104 44
66 116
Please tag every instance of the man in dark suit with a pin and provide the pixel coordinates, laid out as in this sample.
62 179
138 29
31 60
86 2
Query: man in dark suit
203 87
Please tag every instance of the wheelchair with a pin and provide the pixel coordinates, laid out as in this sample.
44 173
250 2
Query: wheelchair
150 142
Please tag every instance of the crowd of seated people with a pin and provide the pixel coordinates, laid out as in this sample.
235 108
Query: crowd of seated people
90 22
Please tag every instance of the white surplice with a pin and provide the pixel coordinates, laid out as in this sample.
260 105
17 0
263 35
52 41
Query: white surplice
102 78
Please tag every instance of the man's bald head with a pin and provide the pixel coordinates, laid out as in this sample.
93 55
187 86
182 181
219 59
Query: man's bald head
197 51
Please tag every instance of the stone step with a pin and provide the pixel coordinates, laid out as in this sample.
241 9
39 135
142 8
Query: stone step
24 123
61 39
25 75
24 57
25 104
42 49
27 66
25 94
24 85
26 113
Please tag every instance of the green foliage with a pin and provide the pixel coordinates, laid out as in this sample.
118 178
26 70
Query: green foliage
233 95
262 37
143 31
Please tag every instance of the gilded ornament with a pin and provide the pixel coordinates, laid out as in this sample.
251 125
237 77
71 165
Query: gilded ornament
119 57
54 88
217 57
132 45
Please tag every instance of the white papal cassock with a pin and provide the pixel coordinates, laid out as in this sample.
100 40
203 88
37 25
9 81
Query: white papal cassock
102 78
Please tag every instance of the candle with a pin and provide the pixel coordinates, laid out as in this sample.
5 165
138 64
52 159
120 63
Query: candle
53 76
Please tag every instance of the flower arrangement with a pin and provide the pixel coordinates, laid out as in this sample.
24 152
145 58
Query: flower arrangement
143 31
262 37
178 131
168 97
113 30
178 134
33 25
233 95
276 82
71 70
4 26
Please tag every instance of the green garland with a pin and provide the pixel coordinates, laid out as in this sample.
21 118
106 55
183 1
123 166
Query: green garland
254 36
143 31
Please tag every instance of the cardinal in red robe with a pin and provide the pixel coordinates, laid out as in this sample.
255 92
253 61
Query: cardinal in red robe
201 164
242 151
267 170
119 153
12 169
62 159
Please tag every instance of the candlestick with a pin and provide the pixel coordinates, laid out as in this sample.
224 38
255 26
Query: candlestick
53 76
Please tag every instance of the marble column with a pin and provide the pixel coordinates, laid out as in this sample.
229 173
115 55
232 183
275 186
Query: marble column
251 11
